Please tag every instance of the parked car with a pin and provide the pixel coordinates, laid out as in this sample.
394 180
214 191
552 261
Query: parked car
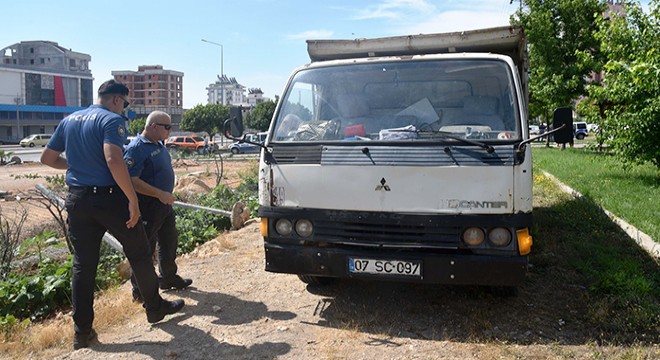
35 139
534 130
191 142
240 147
580 130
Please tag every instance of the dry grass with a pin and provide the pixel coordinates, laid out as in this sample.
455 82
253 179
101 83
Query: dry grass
112 308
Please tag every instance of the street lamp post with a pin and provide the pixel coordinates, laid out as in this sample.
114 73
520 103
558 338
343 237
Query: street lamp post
222 70
17 100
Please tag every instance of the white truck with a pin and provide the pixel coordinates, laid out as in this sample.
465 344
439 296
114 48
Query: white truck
404 159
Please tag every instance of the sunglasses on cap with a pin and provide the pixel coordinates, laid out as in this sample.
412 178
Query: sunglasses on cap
166 126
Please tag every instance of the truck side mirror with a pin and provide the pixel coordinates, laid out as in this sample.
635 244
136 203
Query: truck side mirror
563 116
235 122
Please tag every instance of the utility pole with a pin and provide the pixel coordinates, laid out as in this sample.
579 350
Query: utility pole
17 100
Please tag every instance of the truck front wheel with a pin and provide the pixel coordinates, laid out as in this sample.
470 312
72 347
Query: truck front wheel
316 280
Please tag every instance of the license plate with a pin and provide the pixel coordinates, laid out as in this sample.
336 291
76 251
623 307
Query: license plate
385 267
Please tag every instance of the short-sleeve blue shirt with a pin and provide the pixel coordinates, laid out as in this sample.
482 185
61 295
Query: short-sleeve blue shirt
151 162
81 136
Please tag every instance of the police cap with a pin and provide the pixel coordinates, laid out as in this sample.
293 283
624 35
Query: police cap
113 87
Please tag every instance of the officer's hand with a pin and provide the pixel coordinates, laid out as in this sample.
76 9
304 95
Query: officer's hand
166 198
134 213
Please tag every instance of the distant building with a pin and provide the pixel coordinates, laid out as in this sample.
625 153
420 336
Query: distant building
615 7
41 82
226 91
255 96
153 88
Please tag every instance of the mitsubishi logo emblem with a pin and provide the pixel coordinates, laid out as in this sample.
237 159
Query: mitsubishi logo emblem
383 185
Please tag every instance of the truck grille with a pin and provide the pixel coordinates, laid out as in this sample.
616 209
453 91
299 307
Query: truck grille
386 235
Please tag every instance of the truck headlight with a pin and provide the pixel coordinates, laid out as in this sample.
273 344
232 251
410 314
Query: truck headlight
499 236
283 227
304 227
473 236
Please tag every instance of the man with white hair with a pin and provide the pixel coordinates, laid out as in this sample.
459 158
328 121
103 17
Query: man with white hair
150 167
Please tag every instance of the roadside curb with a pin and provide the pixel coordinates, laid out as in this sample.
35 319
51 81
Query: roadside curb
642 239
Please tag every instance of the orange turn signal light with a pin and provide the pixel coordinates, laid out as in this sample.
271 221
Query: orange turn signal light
264 227
524 241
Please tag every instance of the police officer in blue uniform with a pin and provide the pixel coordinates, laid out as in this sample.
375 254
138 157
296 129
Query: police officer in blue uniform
101 198
150 166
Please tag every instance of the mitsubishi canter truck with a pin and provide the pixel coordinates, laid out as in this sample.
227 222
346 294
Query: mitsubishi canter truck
403 159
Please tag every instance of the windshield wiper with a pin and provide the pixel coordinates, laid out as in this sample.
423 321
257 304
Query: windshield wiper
489 149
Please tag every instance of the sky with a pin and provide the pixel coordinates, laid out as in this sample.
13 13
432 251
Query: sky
263 41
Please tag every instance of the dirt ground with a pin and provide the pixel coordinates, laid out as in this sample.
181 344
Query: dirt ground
20 181
236 310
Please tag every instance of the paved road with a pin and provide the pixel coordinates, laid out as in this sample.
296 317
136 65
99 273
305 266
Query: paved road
26 154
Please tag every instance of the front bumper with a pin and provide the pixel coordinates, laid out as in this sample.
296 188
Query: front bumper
437 267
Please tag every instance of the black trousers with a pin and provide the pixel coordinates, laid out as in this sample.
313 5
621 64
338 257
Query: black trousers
160 224
91 214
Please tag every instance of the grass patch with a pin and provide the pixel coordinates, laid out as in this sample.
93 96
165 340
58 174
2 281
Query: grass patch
631 192
576 243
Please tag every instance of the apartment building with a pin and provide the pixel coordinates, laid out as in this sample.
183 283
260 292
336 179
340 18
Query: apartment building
153 88
41 82
226 91
255 96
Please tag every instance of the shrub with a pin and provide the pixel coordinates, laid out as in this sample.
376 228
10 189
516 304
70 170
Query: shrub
34 296
196 227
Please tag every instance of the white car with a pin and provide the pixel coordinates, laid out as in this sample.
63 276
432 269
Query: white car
35 139
534 130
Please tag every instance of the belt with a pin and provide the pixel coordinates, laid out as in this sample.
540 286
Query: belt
95 189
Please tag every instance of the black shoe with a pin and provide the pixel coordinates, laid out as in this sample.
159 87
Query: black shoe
166 308
175 282
137 297
82 340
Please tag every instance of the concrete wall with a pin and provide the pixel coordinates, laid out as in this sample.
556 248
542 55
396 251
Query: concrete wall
10 86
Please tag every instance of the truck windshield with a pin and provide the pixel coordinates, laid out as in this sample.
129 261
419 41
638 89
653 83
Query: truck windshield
407 101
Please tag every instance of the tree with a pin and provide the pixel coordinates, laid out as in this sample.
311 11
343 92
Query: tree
136 126
259 118
560 34
208 118
629 97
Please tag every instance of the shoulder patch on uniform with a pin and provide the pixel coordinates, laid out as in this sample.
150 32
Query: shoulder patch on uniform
129 162
121 131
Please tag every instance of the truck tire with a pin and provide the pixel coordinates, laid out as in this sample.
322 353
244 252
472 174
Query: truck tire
316 280
579 136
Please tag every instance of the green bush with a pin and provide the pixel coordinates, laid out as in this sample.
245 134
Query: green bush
196 227
38 293
34 296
